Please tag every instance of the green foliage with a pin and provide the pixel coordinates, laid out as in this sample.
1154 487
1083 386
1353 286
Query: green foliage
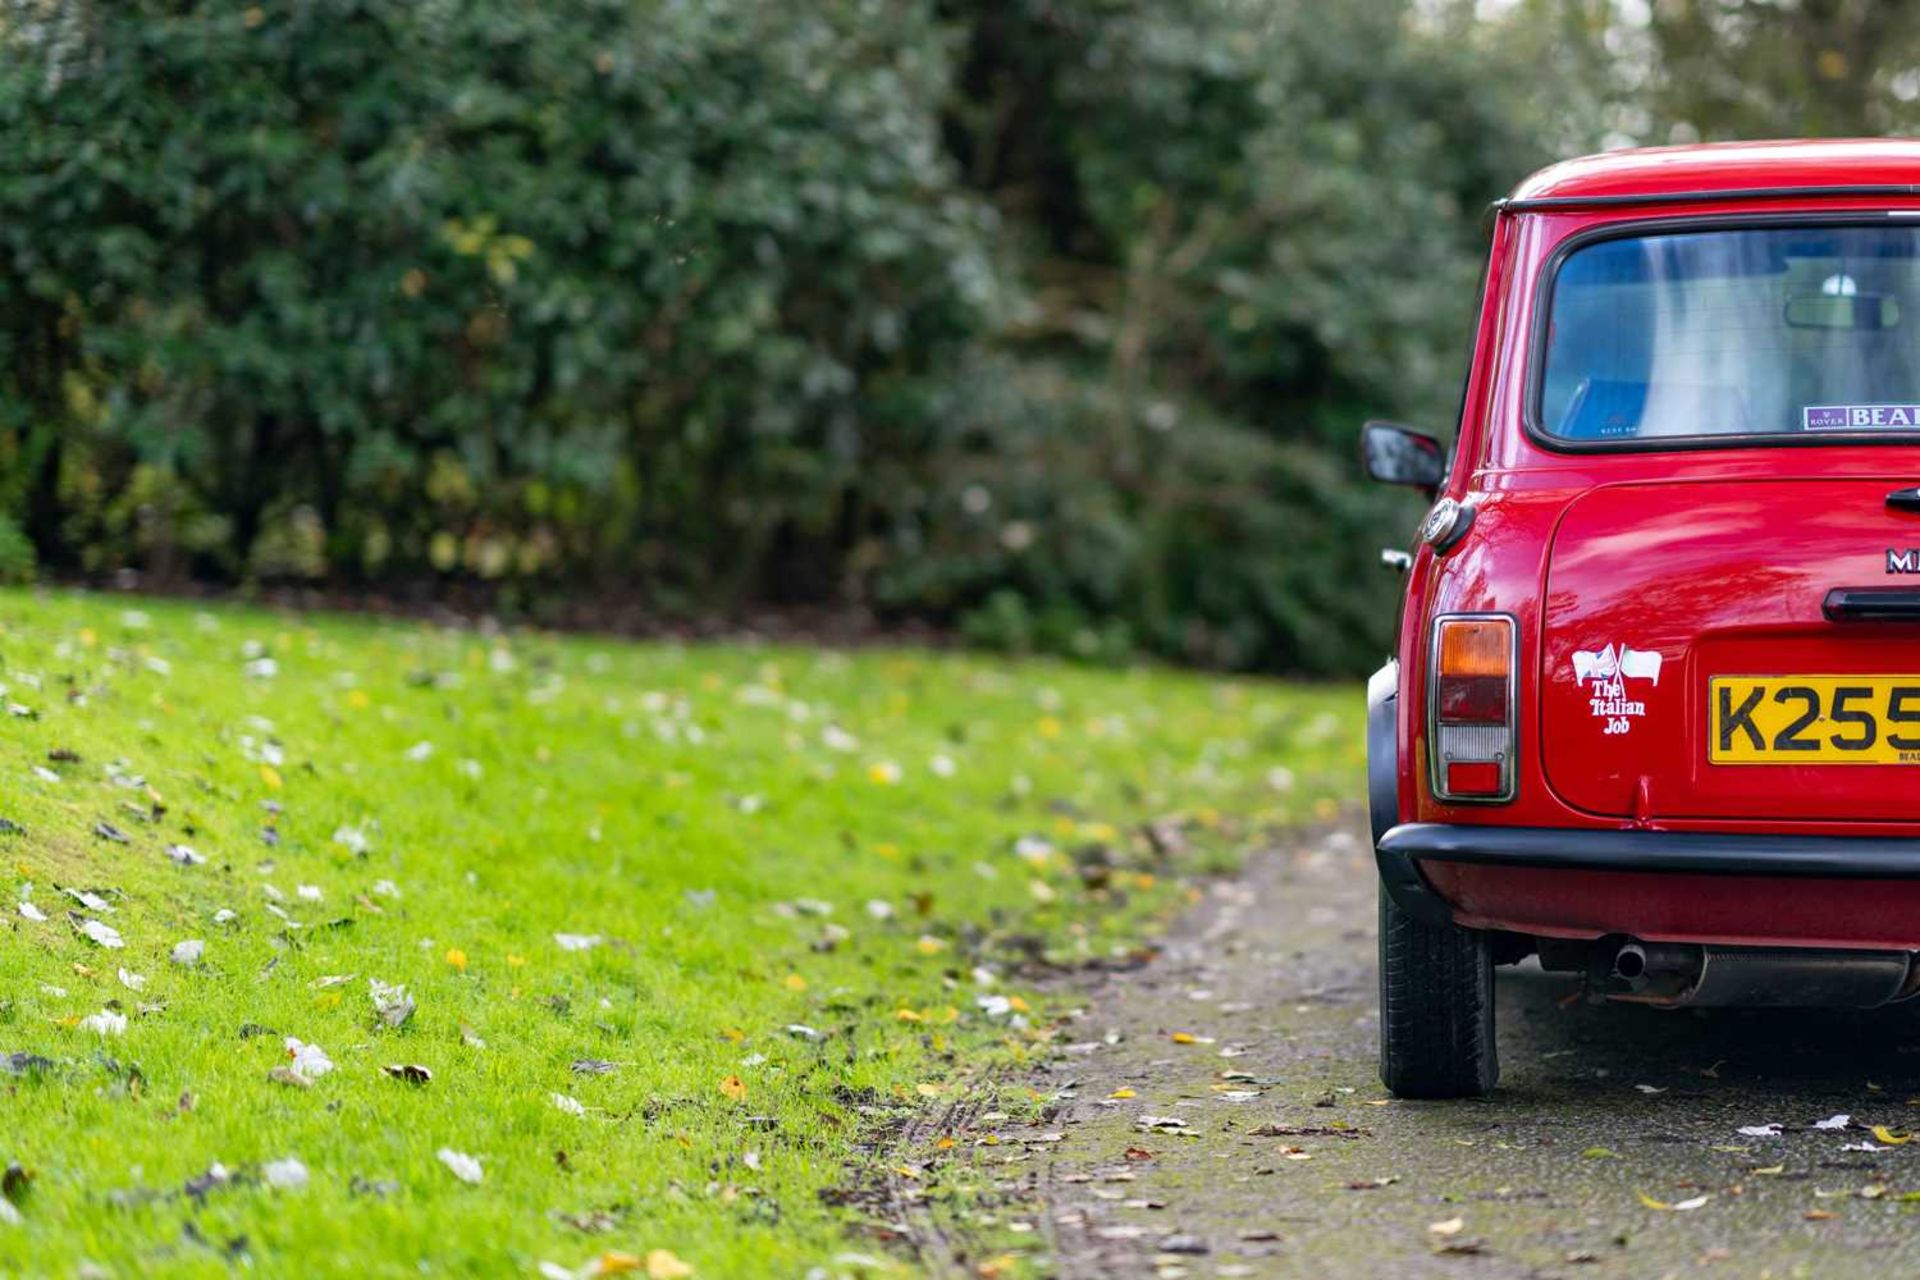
735 302
17 560
482 287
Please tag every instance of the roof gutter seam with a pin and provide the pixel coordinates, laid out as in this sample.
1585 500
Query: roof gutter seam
1550 204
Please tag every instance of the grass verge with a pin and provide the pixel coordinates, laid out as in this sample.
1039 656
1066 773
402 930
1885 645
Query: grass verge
673 924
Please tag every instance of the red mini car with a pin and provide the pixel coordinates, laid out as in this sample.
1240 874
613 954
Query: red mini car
1655 711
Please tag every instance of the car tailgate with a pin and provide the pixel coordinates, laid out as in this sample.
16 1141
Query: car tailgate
1657 591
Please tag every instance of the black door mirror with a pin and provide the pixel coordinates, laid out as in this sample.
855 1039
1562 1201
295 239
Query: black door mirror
1400 455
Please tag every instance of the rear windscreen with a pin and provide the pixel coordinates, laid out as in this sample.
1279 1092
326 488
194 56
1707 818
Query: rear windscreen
1758 331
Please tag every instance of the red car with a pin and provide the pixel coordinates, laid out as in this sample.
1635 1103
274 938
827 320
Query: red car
1655 710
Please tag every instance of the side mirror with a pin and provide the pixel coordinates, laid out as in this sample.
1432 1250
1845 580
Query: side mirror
1400 455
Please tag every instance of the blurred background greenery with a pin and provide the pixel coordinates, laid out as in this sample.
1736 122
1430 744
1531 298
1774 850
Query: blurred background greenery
1049 321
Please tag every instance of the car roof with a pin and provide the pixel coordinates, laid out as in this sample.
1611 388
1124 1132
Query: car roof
1868 166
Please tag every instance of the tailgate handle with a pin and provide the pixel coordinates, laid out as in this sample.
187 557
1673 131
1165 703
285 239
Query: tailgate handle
1904 499
1872 604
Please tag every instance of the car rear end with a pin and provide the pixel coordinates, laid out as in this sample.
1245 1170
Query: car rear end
1656 715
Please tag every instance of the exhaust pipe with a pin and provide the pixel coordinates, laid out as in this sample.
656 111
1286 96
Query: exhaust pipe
1630 966
1680 976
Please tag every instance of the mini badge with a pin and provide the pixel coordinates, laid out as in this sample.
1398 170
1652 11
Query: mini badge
1860 417
1607 671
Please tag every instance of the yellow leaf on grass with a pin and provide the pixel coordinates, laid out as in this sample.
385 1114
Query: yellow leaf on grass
1121 1093
662 1264
908 1015
1185 1037
732 1035
1883 1134
270 776
614 1263
457 958
796 983
929 945
928 1090
734 1087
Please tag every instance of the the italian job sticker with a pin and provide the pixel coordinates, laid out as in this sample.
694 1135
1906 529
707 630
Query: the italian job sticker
1604 674
1860 417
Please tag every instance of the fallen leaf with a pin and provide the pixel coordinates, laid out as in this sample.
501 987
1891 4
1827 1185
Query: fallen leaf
1888 1136
310 1061
663 1265
733 1087
1451 1227
409 1072
102 934
461 1165
105 1023
391 1004
1683 1206
284 1175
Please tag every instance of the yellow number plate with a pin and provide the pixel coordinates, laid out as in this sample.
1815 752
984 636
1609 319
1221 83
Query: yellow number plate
1813 720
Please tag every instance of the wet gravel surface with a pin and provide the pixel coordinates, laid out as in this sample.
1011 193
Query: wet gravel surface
1222 1117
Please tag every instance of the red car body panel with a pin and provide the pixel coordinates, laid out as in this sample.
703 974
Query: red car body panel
1717 559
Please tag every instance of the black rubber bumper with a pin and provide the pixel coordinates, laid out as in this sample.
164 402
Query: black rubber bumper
1402 849
1712 852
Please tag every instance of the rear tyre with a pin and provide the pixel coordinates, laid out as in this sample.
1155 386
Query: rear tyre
1436 1008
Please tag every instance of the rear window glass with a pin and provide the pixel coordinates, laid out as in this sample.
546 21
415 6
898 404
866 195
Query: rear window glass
1752 332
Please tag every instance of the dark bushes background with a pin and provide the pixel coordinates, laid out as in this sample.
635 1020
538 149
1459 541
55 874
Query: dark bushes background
1048 319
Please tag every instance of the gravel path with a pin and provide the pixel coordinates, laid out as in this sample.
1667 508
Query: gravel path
1265 1146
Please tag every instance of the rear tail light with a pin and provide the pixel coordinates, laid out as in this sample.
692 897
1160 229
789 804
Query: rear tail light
1471 704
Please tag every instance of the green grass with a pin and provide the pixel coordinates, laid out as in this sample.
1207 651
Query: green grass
763 838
